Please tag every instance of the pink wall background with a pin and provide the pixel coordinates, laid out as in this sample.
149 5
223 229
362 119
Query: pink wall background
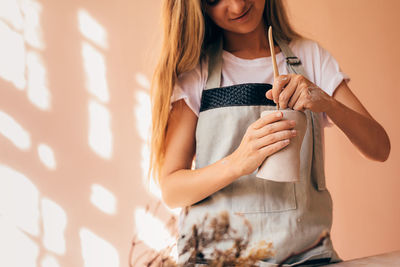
74 116
363 37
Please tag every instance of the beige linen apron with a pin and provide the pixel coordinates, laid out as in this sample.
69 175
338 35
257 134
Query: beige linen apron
290 215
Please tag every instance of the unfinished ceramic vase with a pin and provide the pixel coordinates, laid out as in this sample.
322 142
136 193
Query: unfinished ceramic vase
284 165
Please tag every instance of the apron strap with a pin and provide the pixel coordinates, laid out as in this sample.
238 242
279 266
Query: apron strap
294 65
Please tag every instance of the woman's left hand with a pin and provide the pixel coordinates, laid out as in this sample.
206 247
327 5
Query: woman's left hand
297 92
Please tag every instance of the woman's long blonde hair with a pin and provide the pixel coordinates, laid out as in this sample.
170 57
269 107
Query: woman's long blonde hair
188 31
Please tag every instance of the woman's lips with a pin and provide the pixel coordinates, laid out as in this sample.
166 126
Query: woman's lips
241 17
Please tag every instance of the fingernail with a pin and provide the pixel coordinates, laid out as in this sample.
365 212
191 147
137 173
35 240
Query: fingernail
293 123
294 132
279 114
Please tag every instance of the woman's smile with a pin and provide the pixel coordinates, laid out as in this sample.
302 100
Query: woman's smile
244 17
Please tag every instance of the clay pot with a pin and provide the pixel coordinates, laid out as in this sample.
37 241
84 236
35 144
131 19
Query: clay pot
284 165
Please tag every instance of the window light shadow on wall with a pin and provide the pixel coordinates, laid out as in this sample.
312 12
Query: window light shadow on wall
151 230
100 136
46 156
12 54
94 44
91 29
20 50
21 243
27 217
38 92
32 226
14 132
103 199
19 201
96 251
142 112
142 115
49 261
27 221
54 223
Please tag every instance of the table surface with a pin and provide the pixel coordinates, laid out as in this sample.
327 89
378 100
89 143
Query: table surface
391 259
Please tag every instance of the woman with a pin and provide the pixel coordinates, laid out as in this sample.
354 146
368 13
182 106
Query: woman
195 94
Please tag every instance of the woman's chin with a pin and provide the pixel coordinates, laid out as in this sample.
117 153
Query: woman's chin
244 29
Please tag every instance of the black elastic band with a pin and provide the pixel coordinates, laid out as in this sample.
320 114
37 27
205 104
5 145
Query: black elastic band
248 94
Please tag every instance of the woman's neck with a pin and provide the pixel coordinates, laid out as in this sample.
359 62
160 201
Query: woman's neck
250 45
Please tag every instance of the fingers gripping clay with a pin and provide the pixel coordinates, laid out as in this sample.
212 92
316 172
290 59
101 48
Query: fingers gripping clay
284 165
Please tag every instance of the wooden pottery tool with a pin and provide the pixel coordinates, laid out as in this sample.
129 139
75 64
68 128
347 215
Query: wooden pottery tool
273 57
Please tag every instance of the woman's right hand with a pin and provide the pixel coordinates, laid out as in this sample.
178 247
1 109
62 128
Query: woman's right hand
263 138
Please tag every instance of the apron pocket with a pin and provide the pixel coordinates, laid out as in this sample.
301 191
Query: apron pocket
250 194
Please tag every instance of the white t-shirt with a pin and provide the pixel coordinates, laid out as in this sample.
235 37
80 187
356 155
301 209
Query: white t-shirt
321 68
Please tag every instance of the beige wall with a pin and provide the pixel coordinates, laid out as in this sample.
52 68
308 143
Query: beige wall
74 115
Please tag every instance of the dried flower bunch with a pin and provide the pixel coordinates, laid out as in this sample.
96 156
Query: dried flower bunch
204 245
205 239
208 236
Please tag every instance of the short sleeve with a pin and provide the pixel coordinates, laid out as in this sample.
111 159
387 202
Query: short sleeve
189 87
330 76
